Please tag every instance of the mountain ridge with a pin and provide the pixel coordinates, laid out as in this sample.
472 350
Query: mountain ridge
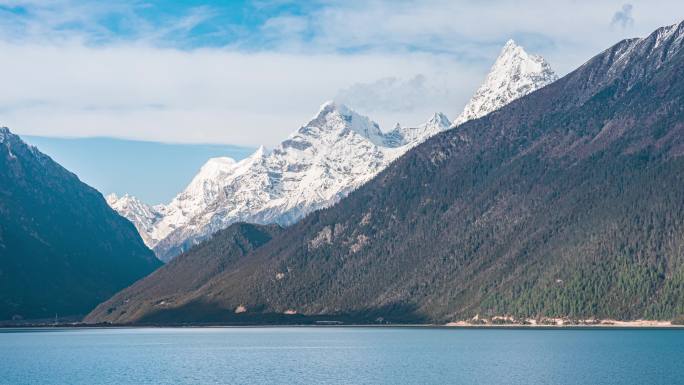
62 248
563 203
163 287
334 153
318 164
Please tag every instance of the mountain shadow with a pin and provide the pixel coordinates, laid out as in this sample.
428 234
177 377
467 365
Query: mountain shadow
63 250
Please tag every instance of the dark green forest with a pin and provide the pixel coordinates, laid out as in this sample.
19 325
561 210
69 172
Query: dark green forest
63 250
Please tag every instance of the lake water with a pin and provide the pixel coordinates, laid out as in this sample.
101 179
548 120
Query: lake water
304 355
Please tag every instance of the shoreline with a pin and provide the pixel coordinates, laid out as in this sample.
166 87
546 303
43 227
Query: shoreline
624 325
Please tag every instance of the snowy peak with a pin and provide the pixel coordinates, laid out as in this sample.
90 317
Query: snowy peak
411 136
4 133
12 142
339 119
672 34
510 50
143 216
334 153
515 73
648 53
514 62
7 137
438 120
129 202
334 120
217 165
205 181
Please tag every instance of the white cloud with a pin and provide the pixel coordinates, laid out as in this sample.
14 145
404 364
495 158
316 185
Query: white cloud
390 94
204 95
380 56
567 31
393 100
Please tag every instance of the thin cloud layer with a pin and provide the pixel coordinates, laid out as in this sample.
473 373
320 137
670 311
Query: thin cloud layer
206 95
395 100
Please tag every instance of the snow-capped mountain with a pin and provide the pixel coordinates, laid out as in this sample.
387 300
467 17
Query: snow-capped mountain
145 217
514 74
414 135
321 162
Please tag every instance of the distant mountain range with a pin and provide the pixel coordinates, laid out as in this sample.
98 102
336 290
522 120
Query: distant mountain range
337 151
567 202
320 163
63 250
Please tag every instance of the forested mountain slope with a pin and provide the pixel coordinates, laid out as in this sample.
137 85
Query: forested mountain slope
188 272
63 250
565 203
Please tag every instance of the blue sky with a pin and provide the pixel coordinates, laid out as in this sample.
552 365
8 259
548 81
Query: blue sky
154 172
178 24
249 73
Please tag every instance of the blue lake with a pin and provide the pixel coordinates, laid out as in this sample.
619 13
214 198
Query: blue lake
318 355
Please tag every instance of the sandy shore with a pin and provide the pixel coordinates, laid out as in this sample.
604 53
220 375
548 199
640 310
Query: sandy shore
559 322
